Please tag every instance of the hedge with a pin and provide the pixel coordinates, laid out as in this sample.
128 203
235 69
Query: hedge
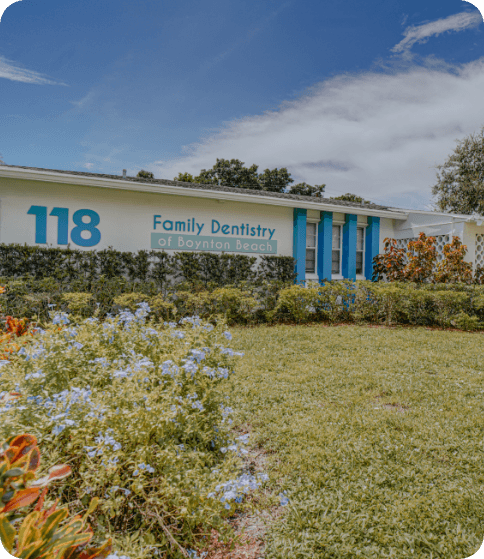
442 305
78 267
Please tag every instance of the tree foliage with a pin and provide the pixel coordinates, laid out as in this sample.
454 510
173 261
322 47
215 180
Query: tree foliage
460 180
233 172
145 175
348 197
304 189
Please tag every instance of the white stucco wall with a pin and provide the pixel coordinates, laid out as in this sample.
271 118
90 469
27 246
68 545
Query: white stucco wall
126 217
469 239
387 229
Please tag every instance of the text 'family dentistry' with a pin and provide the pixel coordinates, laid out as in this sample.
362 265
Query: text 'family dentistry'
192 226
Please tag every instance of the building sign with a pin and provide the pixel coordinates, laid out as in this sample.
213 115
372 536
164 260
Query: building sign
200 243
170 234
89 227
242 237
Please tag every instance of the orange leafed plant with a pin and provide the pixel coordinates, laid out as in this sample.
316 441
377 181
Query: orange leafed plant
453 268
38 532
391 264
15 328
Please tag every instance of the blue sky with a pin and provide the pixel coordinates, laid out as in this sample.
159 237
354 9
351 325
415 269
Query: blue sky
364 97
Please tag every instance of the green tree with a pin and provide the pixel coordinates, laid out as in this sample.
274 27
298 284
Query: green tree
145 175
233 172
460 180
304 189
275 180
230 173
184 177
351 198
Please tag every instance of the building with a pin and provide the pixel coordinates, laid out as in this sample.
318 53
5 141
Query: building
328 238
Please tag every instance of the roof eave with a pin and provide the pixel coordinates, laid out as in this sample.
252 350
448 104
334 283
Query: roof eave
221 195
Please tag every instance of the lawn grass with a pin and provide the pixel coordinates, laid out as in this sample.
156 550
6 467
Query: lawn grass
376 434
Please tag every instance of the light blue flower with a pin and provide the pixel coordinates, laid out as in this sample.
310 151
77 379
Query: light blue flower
283 499
60 318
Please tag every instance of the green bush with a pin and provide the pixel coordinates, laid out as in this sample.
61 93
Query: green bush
69 267
448 304
79 304
162 309
130 301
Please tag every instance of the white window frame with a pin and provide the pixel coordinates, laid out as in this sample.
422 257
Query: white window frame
312 275
363 227
338 275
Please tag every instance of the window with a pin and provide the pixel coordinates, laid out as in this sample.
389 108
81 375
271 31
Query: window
311 230
336 253
360 249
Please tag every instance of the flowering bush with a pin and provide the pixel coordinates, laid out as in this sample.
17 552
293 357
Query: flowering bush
139 413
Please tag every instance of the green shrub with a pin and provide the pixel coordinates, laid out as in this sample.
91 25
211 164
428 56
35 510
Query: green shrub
390 302
130 301
161 308
418 306
78 303
466 322
448 304
296 304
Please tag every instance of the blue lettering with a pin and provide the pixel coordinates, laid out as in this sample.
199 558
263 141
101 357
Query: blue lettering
170 223
155 221
271 231
252 231
225 229
214 221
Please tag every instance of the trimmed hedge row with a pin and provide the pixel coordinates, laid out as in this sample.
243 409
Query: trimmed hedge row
444 305
68 266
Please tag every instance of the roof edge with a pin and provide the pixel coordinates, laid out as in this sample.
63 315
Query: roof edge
157 186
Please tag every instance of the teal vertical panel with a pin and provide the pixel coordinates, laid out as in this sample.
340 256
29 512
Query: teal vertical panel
299 243
348 267
325 245
372 244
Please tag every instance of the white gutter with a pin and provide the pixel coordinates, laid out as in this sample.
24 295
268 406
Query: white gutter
434 224
120 184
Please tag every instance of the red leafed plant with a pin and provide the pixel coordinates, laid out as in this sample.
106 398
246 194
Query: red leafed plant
29 531
391 264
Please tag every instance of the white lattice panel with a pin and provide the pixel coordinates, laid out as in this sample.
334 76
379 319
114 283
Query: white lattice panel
479 258
440 242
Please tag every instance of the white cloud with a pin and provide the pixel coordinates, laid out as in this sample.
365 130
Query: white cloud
10 71
377 134
421 33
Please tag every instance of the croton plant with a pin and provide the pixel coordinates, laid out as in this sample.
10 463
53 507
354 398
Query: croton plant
28 529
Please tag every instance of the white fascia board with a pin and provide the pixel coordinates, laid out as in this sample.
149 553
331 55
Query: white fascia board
120 184
429 212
